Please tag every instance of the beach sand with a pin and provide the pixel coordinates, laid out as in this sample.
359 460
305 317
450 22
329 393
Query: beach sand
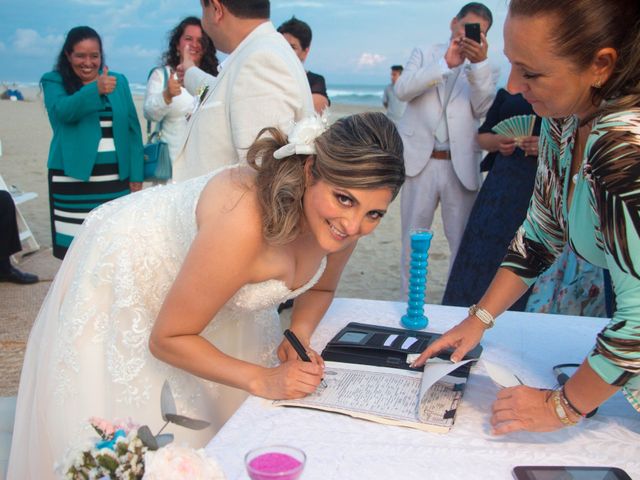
372 273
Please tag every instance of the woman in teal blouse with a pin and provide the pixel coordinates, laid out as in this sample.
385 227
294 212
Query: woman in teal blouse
578 63
96 152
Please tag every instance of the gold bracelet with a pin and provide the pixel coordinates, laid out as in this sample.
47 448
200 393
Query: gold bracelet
568 405
561 413
482 315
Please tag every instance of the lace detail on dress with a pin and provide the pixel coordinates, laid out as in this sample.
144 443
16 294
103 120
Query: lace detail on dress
271 292
120 269
109 309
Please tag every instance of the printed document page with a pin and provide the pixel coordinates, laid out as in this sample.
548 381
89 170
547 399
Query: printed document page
387 395
387 392
440 393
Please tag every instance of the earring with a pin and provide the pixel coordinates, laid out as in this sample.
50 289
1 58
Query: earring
597 84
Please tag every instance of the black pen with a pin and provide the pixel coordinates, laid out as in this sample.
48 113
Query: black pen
561 377
300 350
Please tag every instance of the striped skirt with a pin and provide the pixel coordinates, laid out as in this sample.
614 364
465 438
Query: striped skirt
70 199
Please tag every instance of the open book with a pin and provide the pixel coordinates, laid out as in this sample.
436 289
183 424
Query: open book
424 400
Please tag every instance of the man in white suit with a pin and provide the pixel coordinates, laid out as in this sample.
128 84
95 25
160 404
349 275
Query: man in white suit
261 84
448 89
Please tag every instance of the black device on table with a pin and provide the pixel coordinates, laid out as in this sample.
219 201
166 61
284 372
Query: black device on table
569 473
472 31
385 346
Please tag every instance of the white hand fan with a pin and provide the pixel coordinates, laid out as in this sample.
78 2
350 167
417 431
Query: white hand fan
516 127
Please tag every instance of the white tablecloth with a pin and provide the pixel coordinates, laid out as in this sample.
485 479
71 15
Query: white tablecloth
341 447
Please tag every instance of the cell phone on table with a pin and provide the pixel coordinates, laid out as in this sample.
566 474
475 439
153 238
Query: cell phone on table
569 473
472 31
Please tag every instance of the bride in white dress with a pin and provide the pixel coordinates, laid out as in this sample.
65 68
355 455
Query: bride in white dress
182 283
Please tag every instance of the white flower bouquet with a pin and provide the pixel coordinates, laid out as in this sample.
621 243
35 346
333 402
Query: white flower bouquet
118 454
173 462
125 451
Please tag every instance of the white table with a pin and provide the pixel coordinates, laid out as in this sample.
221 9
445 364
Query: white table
341 447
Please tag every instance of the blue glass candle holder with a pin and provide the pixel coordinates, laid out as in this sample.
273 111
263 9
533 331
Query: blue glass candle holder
415 319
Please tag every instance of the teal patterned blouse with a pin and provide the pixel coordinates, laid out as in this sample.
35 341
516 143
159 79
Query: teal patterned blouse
602 225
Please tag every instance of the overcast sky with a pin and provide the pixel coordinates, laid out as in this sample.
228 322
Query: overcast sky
354 41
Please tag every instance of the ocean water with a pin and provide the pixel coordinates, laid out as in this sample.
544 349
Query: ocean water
350 94
355 94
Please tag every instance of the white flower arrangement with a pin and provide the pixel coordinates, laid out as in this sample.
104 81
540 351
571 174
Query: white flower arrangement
117 454
302 136
173 461
125 451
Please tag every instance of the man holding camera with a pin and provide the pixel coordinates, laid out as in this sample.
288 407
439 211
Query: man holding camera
448 89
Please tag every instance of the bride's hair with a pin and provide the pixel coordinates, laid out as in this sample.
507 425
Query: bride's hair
359 151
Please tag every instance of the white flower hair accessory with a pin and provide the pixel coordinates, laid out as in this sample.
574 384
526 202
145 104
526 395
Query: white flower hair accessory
302 136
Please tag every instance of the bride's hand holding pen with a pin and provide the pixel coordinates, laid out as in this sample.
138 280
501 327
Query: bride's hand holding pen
291 379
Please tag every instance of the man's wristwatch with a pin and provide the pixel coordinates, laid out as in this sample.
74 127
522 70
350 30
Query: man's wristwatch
482 315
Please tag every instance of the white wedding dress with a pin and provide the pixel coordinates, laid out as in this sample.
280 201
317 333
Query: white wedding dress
88 351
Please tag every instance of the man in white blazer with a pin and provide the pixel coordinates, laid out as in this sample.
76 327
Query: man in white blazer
448 89
260 84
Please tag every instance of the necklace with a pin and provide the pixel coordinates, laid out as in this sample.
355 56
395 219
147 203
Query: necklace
579 143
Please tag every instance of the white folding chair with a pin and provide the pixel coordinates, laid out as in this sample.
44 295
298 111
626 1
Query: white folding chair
29 243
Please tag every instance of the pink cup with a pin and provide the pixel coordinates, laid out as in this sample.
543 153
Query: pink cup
276 462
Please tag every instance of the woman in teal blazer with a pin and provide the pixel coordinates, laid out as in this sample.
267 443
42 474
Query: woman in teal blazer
96 152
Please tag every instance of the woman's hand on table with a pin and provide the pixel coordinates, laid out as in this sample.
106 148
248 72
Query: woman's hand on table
524 408
462 338
291 379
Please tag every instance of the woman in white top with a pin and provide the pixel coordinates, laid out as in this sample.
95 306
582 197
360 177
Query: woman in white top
167 101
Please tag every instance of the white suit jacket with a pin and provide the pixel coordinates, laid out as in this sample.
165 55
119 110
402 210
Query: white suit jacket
422 86
261 84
